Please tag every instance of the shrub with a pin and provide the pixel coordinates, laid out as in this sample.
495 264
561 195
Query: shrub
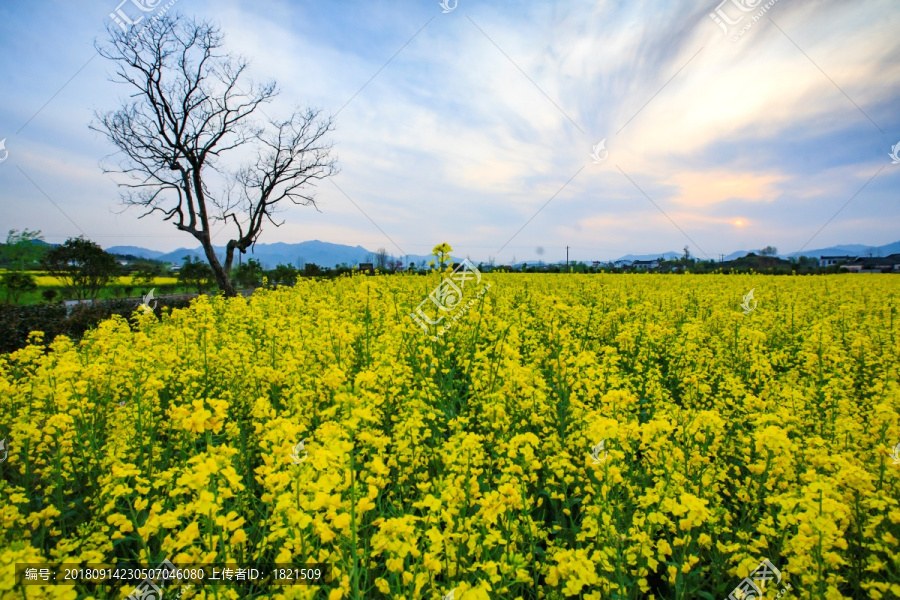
17 322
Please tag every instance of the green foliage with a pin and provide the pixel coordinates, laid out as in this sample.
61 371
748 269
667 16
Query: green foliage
283 275
82 265
146 272
249 274
16 283
196 274
22 249
49 294
17 322
312 270
806 264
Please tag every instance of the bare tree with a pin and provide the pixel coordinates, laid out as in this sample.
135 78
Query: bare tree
189 111
381 259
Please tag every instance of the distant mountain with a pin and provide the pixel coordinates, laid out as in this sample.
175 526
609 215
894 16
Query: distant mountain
743 253
324 254
889 249
840 250
663 255
135 251
852 250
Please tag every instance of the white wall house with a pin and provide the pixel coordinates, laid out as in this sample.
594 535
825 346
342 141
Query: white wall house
644 265
827 261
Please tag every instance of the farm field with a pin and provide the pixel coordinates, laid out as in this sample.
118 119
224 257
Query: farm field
43 279
570 436
123 285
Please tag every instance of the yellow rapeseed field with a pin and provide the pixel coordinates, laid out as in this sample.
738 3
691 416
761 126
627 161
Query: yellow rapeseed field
44 279
570 436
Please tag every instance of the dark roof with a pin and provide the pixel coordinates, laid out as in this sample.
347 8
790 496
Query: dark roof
893 259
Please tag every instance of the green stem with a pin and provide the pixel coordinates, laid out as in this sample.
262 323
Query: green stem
356 595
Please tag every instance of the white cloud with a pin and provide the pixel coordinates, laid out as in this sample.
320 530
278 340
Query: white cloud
450 141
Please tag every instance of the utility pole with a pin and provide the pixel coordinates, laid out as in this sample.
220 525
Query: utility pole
567 257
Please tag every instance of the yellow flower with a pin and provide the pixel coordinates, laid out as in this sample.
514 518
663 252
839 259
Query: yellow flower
467 459
239 537
336 594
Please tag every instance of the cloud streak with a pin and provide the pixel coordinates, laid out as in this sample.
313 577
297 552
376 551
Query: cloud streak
463 139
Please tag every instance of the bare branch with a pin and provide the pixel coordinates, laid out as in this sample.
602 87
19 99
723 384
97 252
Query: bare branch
190 105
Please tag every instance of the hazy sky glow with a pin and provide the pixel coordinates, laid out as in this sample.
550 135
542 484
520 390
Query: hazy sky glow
490 110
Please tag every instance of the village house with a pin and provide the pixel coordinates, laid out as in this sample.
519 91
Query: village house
828 261
874 264
643 265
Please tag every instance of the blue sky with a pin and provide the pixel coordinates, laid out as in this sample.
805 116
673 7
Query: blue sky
484 122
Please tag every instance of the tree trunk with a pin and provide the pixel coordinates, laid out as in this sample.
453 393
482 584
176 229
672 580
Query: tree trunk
189 109
222 279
